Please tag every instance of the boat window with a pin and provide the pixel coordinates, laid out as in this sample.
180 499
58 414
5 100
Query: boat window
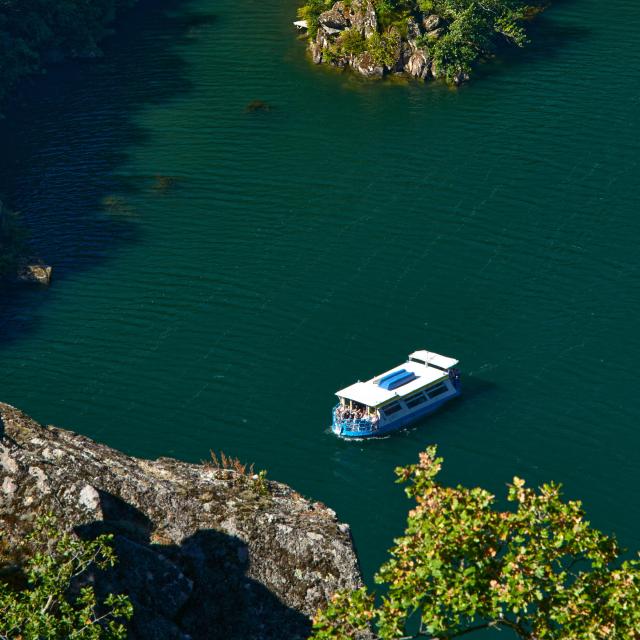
418 361
392 408
437 391
415 400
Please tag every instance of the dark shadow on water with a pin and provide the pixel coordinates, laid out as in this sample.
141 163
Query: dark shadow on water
473 386
549 39
66 135
199 588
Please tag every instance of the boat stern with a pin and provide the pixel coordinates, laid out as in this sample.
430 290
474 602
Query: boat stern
347 423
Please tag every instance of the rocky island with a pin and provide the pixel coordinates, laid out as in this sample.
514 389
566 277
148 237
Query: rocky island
422 38
203 551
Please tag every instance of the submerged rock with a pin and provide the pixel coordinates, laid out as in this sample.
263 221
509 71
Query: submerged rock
258 105
460 77
34 272
204 552
162 184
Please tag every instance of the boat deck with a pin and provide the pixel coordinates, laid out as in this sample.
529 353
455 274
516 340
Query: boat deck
371 394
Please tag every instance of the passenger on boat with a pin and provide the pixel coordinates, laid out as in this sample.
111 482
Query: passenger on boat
355 413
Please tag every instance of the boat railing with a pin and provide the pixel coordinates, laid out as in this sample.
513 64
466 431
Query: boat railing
365 423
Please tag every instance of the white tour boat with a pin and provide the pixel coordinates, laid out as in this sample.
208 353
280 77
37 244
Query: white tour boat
396 398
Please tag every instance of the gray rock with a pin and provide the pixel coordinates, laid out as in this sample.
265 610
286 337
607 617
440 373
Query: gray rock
316 52
201 550
34 272
365 65
149 577
405 53
413 31
89 498
435 33
431 22
334 18
324 37
362 16
418 65
460 77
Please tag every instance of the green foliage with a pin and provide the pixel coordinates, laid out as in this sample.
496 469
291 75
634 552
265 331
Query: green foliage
12 239
260 483
245 473
351 42
474 29
43 608
382 48
29 29
462 565
393 12
310 12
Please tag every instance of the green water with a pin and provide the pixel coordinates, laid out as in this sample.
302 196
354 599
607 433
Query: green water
287 253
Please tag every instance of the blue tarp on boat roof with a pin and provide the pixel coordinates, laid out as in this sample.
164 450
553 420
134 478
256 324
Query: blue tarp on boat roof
396 379
389 376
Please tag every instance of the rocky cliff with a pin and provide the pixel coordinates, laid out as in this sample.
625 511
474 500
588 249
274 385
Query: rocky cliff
203 552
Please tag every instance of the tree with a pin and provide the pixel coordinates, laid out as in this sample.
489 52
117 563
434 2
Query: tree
463 565
47 604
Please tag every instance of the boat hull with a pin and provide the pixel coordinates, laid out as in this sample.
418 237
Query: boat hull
383 429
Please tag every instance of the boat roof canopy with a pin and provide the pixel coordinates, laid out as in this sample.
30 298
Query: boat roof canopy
433 359
400 381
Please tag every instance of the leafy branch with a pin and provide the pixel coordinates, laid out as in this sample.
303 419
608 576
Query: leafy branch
463 565
45 606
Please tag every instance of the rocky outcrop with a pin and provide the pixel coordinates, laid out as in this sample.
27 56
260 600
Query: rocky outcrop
430 23
418 65
367 66
203 552
34 271
402 53
362 17
334 19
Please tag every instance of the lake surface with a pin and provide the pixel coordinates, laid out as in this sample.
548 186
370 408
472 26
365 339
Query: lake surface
219 273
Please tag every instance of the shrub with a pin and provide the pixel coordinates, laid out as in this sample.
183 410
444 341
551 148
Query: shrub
41 605
351 42
383 48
